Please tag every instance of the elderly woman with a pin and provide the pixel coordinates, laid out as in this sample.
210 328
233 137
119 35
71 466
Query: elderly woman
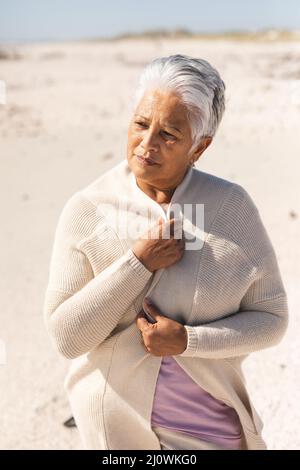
164 373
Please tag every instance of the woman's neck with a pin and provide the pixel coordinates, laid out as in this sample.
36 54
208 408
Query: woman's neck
161 196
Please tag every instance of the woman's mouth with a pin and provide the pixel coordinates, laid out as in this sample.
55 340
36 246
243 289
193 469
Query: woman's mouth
145 161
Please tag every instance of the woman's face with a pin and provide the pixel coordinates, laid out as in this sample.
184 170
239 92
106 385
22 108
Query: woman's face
159 130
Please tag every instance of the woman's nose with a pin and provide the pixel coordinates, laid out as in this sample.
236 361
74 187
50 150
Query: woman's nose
150 141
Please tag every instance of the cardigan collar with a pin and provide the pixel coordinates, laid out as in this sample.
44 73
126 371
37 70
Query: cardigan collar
176 197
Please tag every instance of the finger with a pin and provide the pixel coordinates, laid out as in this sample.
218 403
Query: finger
167 230
172 227
175 225
156 229
142 322
152 310
178 228
181 241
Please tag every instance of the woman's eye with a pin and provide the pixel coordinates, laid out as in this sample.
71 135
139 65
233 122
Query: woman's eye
142 124
170 136
167 134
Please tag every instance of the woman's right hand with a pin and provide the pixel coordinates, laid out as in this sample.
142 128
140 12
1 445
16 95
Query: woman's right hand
156 253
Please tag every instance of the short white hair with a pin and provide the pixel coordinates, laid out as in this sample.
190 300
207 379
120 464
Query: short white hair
196 82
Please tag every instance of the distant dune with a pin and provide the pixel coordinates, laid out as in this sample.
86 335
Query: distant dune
263 35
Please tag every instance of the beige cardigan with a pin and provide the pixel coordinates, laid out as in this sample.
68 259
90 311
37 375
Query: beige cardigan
228 294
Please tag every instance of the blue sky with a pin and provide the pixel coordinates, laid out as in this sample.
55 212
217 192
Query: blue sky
31 20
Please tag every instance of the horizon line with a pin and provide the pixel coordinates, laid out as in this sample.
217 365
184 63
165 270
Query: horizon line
163 33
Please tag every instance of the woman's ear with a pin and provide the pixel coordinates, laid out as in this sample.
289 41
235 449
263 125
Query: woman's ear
204 143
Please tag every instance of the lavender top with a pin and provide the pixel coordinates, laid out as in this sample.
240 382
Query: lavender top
181 404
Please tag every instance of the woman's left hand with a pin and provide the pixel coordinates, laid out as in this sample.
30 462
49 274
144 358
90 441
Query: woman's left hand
166 337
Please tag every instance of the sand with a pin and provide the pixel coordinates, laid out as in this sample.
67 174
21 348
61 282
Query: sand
64 124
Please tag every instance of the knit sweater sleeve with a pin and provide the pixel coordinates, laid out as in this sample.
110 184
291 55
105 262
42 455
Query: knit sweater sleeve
80 309
262 318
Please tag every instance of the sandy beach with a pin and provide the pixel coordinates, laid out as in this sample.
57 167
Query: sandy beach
63 125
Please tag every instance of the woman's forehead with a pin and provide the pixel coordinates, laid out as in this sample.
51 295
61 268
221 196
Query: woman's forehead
167 105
